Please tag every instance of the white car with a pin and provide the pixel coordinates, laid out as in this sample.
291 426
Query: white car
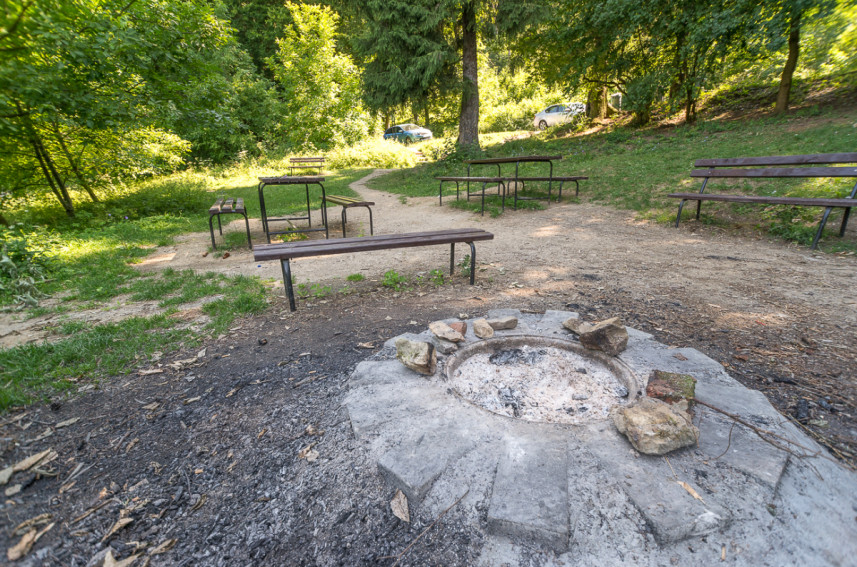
558 114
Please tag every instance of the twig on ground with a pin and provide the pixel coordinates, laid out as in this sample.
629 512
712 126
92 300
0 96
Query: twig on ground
401 555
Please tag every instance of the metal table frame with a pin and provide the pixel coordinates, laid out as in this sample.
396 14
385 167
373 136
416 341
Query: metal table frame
517 161
286 180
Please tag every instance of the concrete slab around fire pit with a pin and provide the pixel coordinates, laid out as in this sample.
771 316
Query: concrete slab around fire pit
580 493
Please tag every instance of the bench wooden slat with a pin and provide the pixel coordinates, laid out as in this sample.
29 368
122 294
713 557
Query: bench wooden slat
306 160
793 172
473 179
780 160
512 159
287 180
802 201
302 243
215 208
572 178
381 242
347 201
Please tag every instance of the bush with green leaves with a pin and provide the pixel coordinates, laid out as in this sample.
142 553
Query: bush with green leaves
394 280
372 153
23 264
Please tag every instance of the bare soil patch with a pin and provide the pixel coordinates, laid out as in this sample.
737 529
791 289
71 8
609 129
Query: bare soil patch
212 452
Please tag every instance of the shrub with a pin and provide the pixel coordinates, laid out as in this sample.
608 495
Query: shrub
372 153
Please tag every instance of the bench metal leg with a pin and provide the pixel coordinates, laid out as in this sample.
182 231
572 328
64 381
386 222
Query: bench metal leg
845 214
247 225
821 227
211 230
678 216
371 226
287 281
451 259
343 221
472 262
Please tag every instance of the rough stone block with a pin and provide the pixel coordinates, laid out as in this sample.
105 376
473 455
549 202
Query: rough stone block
530 493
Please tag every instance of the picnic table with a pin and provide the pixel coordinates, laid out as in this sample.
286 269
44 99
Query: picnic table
287 180
505 181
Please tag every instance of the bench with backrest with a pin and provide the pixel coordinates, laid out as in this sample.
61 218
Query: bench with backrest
346 203
291 250
226 206
784 167
305 163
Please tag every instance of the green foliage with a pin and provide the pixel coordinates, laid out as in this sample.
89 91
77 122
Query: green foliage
320 87
437 277
355 277
464 266
315 290
23 264
372 153
394 280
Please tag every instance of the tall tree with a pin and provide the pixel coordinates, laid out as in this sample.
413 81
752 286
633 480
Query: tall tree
77 68
415 49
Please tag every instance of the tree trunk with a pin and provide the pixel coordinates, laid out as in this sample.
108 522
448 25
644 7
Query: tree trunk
48 169
789 70
468 124
73 164
596 102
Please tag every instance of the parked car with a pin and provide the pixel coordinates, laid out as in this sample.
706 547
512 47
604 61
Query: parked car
407 133
558 114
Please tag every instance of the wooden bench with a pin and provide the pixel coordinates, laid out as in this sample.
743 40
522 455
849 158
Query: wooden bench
226 206
305 163
347 203
772 167
290 250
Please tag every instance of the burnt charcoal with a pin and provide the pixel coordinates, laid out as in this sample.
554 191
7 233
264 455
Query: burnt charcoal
515 356
802 410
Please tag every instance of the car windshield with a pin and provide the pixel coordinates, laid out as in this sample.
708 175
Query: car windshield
409 126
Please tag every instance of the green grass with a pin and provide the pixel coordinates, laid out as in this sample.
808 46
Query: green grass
90 261
635 169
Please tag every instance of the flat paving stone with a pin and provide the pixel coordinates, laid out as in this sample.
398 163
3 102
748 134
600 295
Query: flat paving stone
651 484
530 496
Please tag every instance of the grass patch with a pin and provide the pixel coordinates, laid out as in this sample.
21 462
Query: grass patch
87 353
636 169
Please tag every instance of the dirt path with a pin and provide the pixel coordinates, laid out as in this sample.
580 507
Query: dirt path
206 452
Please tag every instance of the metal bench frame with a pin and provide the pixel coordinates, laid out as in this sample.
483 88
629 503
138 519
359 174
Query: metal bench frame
346 203
306 163
776 171
291 250
227 206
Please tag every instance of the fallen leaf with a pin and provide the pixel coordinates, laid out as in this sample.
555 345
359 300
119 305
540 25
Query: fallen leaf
150 371
6 474
201 353
399 505
13 490
312 456
132 443
151 407
365 345
261 433
231 392
302 454
192 400
742 357
679 356
32 522
690 490
31 461
120 523
23 547
110 561
67 422
163 547
199 503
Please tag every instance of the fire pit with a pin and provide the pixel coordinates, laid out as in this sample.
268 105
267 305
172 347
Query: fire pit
540 379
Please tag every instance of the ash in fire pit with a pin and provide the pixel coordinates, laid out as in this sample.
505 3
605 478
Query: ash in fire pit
538 379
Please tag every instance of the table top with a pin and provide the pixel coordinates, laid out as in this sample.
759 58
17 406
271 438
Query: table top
512 159
291 180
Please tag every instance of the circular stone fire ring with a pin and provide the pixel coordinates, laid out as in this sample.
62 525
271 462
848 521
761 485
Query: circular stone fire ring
541 379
